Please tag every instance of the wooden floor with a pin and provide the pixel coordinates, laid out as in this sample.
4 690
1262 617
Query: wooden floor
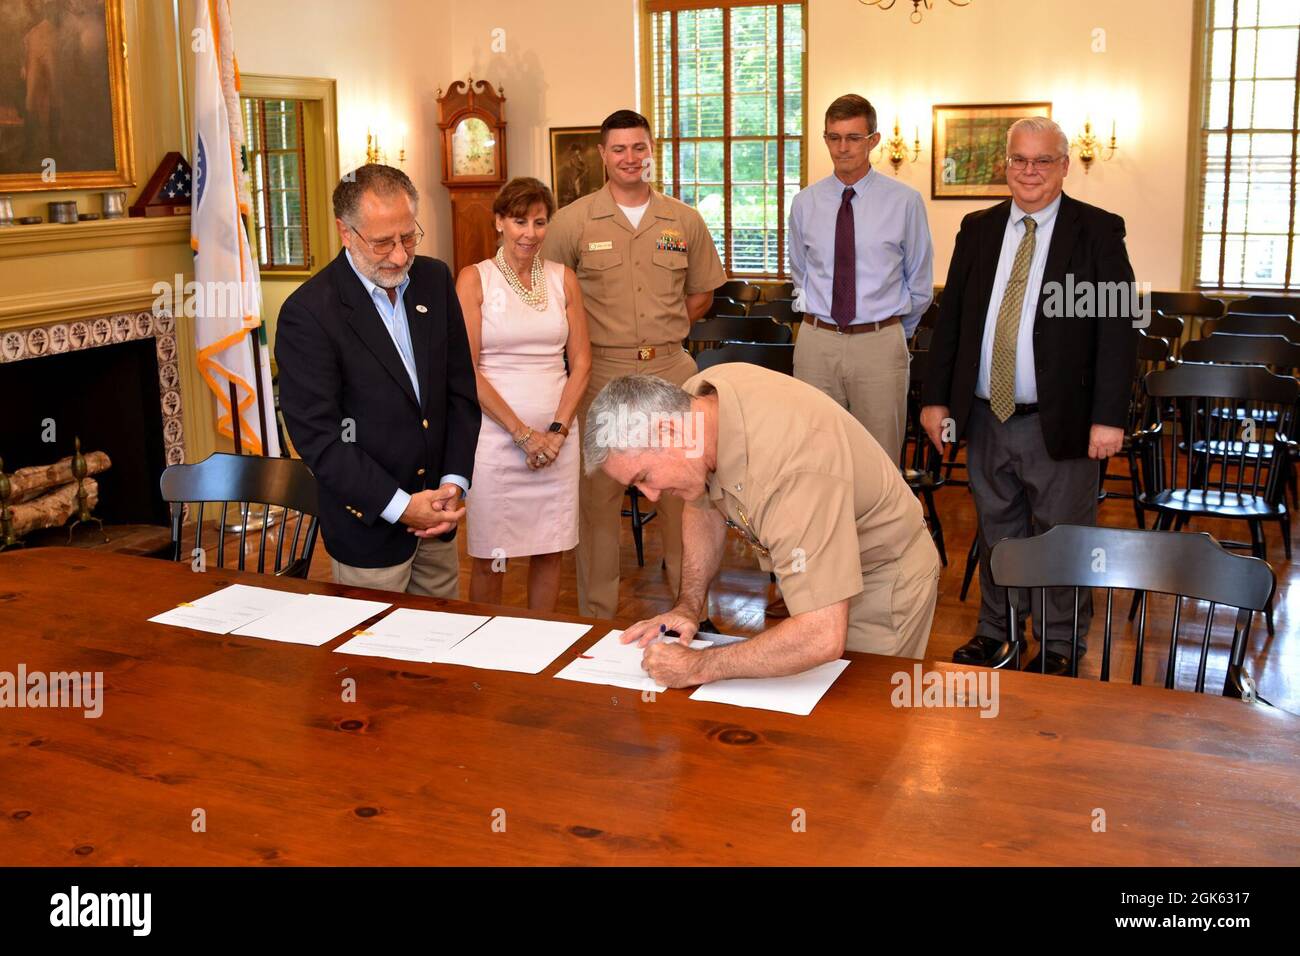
741 592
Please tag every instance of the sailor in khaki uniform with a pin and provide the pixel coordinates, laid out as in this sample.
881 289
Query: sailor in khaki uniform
814 494
647 267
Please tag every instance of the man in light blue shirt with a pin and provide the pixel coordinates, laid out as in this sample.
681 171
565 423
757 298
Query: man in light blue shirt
392 312
862 264
378 392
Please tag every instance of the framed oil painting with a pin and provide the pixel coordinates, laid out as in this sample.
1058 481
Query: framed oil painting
576 166
64 105
970 148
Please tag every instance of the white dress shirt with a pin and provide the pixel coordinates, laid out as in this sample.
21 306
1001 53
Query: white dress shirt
1026 379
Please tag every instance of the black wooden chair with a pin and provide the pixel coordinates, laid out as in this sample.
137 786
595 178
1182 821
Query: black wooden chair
780 290
723 305
1152 354
284 487
777 357
1231 430
1169 328
1192 566
1268 305
639 520
1276 353
922 462
1191 307
1244 323
715 331
745 293
778 310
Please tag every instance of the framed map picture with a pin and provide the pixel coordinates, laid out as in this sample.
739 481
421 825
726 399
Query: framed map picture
576 166
970 148
64 110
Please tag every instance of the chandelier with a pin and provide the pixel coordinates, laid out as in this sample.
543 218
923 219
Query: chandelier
915 15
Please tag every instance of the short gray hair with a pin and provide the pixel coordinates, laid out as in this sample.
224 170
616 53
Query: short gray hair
612 421
373 177
1039 124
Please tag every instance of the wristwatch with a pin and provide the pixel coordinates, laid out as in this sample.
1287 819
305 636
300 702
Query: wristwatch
559 427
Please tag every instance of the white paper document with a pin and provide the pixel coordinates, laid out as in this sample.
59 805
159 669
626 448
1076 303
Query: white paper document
222 611
411 635
315 621
796 694
517 644
619 665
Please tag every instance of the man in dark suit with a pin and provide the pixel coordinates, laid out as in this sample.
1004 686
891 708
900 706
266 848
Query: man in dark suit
377 388
1032 361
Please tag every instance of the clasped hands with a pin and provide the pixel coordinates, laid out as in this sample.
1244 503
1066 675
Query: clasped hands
434 511
542 448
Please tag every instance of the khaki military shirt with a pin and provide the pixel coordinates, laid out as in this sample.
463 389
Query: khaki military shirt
635 281
804 481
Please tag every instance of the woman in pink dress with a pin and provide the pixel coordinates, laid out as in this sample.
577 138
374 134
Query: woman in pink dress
524 316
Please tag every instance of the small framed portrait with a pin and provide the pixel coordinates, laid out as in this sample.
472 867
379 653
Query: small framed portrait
970 148
576 166
64 105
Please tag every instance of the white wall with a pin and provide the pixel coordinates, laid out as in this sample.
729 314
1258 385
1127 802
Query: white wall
1009 51
571 62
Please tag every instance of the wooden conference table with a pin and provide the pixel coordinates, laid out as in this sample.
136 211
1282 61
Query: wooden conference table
418 769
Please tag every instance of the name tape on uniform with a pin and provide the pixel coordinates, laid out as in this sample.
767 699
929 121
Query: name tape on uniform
599 246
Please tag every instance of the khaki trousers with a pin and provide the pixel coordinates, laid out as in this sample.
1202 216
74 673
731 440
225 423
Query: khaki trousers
865 373
600 498
893 614
433 571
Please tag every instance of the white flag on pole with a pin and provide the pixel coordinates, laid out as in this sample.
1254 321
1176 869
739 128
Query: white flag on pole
228 308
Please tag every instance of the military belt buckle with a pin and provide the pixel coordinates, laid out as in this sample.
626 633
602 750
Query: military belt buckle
645 353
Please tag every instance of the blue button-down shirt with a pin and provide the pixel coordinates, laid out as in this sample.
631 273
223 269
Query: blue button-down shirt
393 315
895 258
1026 378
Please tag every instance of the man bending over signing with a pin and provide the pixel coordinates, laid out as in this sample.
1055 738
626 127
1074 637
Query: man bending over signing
804 483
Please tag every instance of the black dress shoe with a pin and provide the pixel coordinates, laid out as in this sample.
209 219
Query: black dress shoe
707 627
985 652
1057 664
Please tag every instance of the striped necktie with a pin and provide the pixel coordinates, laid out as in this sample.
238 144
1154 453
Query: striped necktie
1002 375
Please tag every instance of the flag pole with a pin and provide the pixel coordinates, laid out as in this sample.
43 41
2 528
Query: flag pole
234 419
256 338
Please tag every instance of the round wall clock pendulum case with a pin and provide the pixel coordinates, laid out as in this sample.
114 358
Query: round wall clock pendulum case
472 118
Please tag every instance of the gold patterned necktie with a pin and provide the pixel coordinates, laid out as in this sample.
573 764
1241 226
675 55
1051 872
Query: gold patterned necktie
1002 375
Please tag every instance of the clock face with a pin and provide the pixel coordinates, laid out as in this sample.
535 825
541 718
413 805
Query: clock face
473 149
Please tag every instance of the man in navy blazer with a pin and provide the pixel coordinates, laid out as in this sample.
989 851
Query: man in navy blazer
1032 362
377 389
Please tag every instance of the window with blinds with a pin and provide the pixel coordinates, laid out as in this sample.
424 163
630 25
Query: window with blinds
278 166
1250 104
727 109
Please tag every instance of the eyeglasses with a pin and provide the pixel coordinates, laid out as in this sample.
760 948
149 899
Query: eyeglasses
853 139
1020 163
385 246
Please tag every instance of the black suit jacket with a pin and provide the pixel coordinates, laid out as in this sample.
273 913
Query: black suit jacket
338 363
1084 366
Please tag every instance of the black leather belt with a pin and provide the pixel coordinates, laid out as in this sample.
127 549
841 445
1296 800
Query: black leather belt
1019 409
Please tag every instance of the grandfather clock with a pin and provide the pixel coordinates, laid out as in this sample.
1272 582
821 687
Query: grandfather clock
472 118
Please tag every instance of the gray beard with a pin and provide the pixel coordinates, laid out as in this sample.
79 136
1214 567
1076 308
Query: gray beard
387 280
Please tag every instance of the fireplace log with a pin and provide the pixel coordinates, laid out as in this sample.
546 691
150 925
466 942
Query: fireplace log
53 508
32 482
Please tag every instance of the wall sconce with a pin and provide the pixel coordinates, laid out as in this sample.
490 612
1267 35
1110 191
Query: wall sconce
1091 148
377 154
895 148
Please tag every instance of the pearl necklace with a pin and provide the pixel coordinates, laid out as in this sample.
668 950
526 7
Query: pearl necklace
534 297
